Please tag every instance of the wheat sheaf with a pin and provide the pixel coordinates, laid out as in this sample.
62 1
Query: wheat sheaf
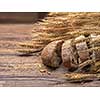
64 26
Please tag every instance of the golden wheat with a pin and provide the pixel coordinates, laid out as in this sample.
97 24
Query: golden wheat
63 25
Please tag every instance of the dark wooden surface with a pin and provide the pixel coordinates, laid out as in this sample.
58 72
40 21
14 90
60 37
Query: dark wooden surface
20 17
23 71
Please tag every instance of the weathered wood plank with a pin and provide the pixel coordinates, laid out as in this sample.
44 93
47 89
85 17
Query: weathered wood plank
25 70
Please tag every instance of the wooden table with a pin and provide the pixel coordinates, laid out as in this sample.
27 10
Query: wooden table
23 71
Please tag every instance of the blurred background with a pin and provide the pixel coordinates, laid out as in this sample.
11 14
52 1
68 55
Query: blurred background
21 17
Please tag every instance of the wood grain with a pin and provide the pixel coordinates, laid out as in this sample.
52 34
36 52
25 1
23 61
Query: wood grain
24 71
